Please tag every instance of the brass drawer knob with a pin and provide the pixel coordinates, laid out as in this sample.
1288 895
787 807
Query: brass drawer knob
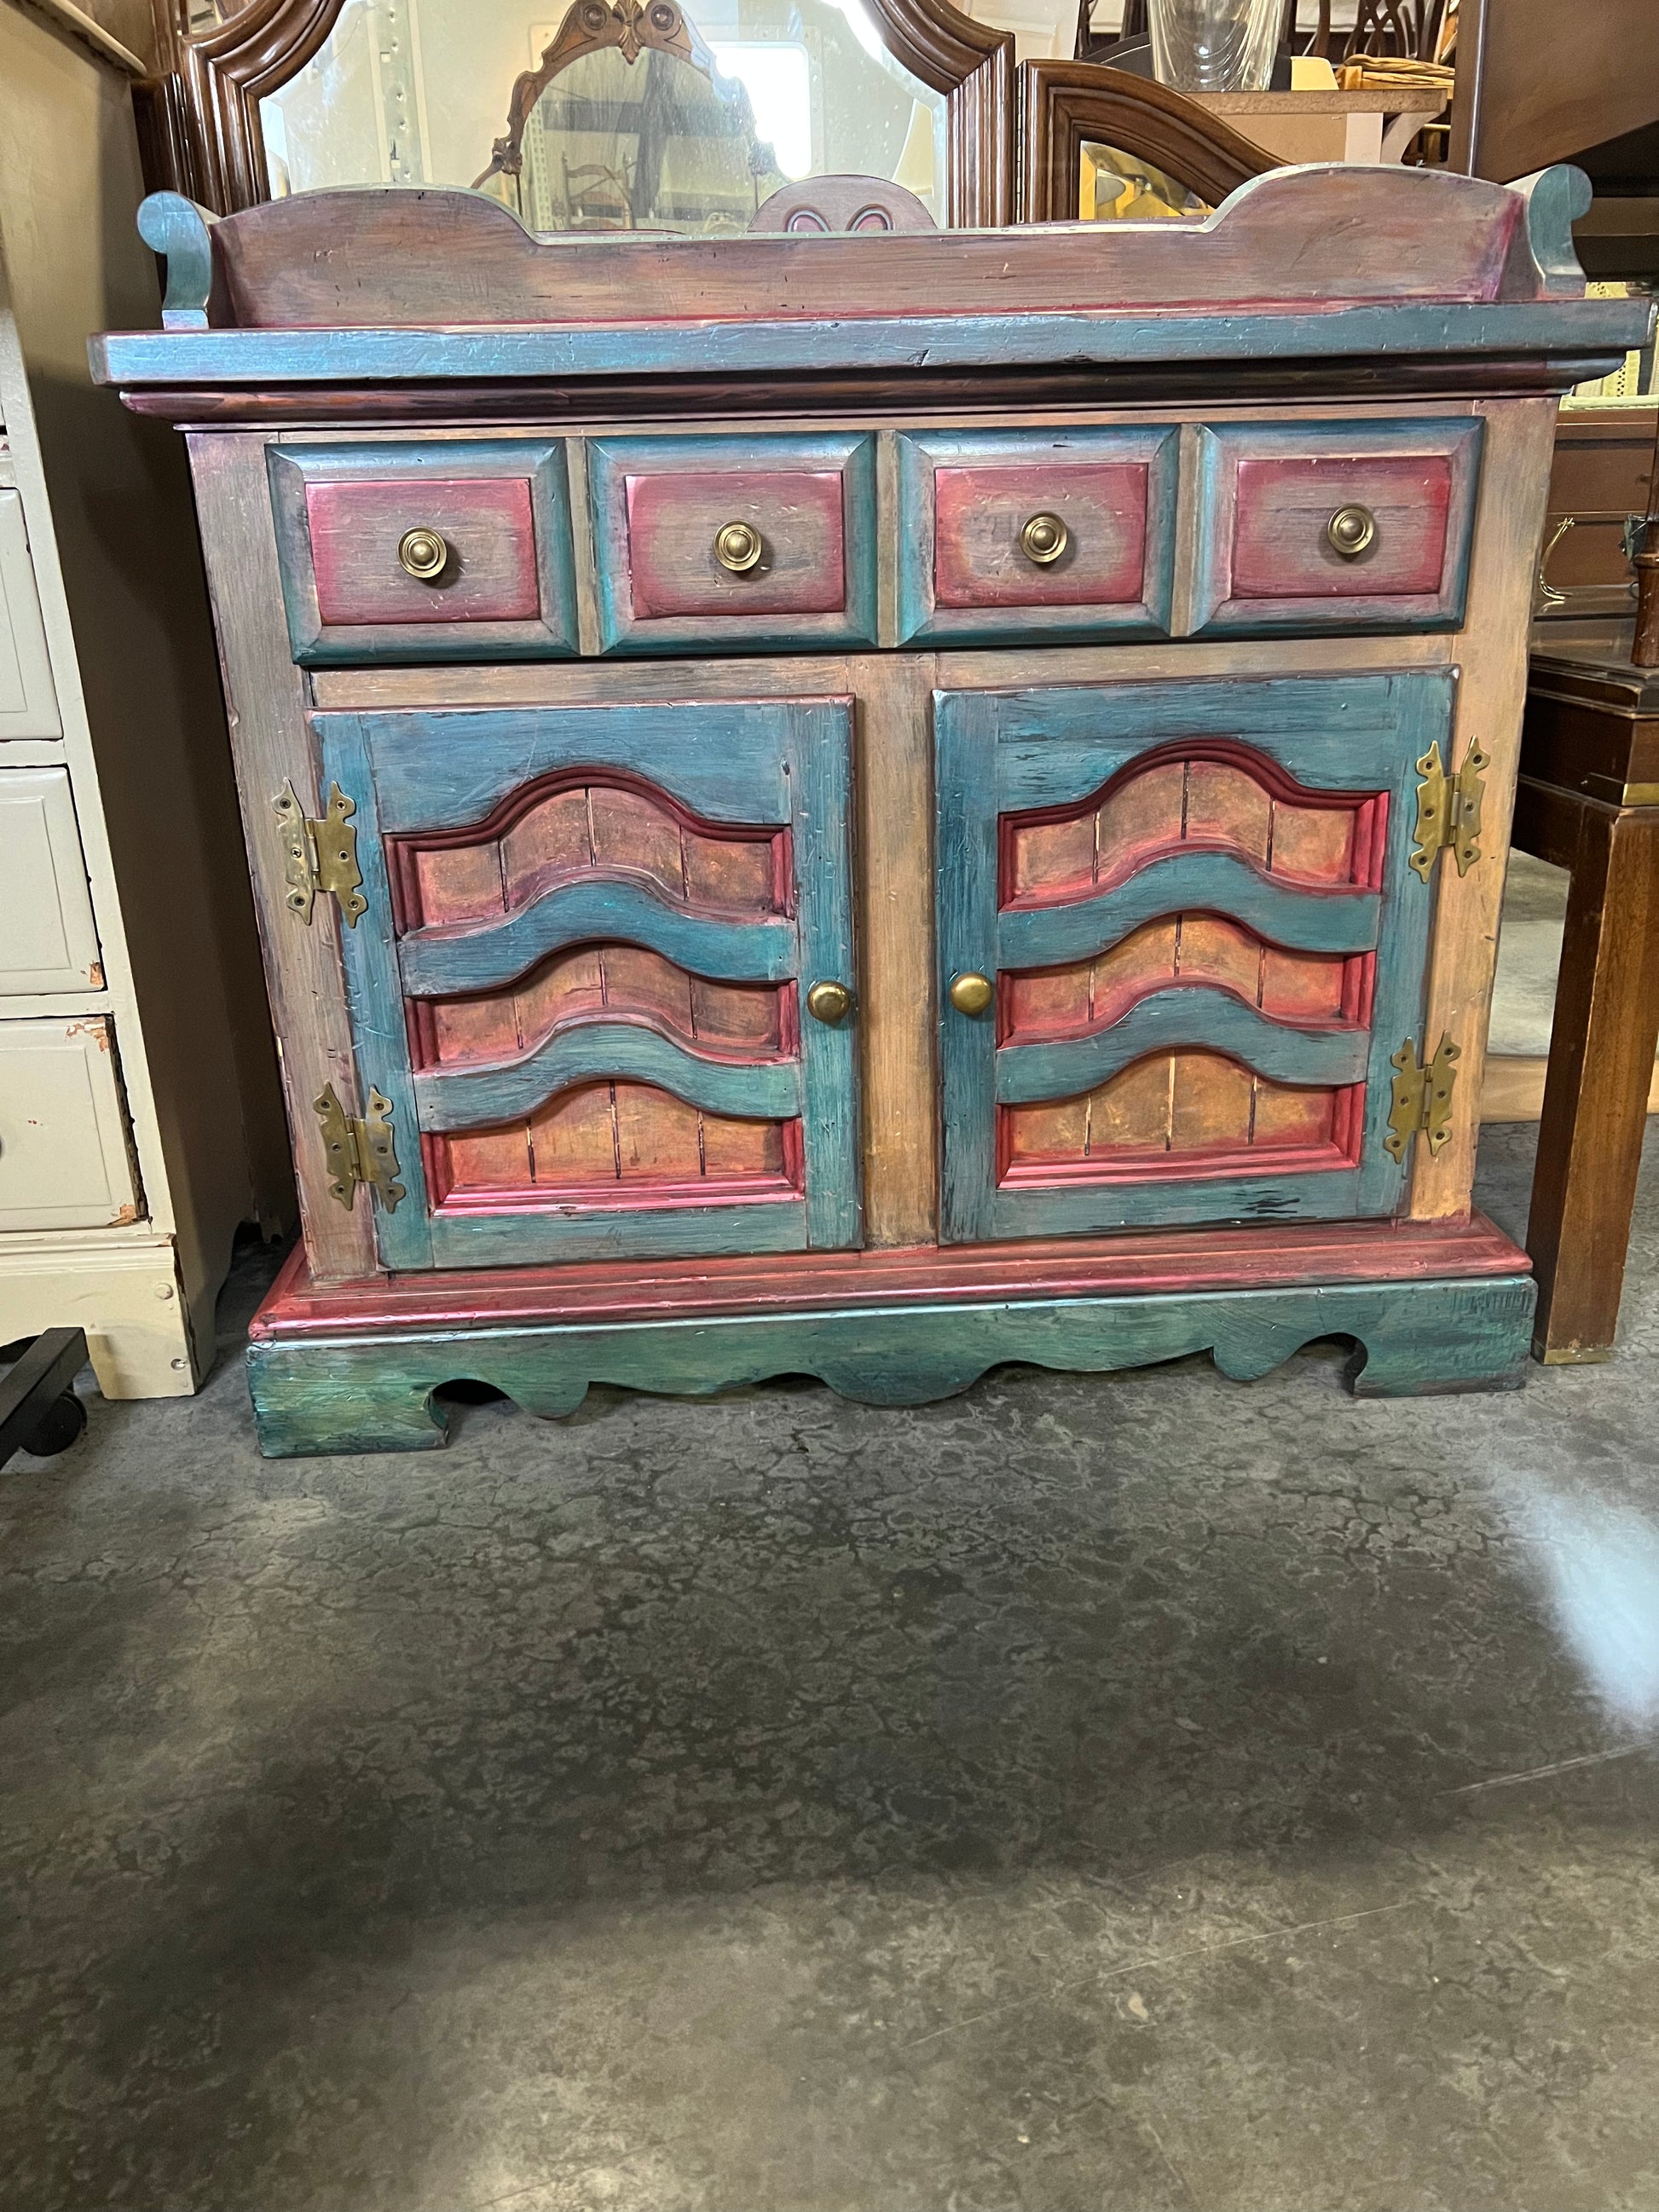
971 993
1351 530
829 1002
1044 538
423 554
737 547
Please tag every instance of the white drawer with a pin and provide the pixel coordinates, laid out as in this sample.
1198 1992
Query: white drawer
64 1157
28 705
47 938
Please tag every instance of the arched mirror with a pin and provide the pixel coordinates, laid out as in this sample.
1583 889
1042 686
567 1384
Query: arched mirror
615 114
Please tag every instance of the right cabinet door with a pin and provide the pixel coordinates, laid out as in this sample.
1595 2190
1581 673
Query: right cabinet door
1194 908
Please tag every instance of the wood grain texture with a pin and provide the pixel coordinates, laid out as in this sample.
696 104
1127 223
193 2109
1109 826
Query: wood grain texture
1090 763
355 530
354 258
1492 657
1601 1064
266 699
503 506
322 1395
1132 1262
673 520
894 793
525 792
659 504
965 496
1281 550
1264 560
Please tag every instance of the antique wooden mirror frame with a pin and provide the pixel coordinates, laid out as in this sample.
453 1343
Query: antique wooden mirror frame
199 116
1064 106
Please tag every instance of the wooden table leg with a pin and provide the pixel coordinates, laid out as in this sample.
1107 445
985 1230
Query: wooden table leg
1601 1063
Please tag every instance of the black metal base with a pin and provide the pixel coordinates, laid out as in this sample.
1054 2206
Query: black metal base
40 1411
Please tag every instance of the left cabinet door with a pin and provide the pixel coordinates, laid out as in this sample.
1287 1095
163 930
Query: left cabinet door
583 977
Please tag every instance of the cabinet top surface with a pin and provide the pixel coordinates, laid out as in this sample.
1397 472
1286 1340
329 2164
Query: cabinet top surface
1309 265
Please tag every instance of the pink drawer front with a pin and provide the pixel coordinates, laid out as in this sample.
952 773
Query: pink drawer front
446 549
753 543
1352 525
1062 533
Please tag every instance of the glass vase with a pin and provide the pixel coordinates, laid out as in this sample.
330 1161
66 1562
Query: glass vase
1214 45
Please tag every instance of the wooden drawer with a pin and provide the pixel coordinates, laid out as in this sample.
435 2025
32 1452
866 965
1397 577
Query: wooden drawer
28 704
739 543
47 939
64 1157
446 549
982 558
1275 500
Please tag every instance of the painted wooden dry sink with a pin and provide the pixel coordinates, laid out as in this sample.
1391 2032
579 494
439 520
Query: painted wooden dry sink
874 804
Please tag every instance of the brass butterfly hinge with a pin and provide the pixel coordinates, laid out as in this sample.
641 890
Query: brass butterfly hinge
320 856
359 1150
1422 1098
1449 810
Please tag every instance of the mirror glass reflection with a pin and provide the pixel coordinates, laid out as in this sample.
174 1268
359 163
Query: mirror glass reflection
616 115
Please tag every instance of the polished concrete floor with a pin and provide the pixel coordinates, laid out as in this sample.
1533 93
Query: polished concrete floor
1132 1792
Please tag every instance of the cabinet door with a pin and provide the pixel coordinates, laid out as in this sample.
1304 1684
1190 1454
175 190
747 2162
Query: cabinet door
1195 903
580 979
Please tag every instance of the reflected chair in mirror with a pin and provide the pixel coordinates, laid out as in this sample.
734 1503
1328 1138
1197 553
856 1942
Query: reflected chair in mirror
253 98
627 124
1100 144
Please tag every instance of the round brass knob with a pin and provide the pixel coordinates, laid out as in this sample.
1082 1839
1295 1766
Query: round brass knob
1351 530
829 1002
1044 538
423 554
971 993
737 547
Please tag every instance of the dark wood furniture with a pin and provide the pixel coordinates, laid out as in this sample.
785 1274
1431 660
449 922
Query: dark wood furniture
1064 106
1598 489
1587 801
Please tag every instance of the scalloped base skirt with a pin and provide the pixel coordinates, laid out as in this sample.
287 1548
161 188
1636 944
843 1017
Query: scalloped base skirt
357 1391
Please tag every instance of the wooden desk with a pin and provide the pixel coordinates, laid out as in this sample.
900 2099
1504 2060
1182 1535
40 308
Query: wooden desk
1588 800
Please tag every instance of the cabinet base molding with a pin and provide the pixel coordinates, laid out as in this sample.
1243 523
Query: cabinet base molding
357 1369
141 1337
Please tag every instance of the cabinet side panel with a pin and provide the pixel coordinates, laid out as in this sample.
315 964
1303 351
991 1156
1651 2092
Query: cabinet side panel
1492 655
266 696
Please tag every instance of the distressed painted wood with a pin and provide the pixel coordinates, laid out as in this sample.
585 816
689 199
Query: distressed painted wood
1196 1014
1066 751
601 891
1122 1265
965 496
1333 232
1411 1340
503 506
480 959
658 505
626 1018
1208 881
1264 560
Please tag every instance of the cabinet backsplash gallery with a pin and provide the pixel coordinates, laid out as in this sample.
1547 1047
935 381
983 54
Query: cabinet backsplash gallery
874 804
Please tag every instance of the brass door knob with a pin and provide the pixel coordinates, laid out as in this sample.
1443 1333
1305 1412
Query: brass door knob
1351 530
737 547
829 1002
1044 538
971 993
423 554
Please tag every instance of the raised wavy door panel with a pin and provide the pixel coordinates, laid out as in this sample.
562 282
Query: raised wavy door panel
1204 943
581 974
